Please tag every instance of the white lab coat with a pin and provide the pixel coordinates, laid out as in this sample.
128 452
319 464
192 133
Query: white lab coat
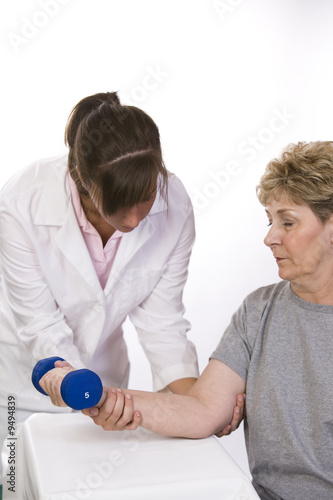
57 305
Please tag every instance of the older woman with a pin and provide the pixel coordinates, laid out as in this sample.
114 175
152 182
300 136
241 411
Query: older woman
278 346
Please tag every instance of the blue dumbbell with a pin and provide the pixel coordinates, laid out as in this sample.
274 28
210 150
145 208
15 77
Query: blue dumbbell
80 389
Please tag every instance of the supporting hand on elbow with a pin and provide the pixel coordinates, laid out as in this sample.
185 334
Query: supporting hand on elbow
237 416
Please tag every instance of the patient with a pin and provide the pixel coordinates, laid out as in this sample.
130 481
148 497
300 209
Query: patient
278 347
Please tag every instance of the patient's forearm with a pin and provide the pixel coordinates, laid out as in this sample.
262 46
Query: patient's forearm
205 410
178 415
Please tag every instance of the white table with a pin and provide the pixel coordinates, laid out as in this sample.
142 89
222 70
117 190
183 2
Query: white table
68 457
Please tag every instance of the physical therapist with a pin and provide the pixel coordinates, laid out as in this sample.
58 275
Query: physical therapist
87 240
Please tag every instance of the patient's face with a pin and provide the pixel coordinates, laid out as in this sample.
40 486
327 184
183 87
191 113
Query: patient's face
300 242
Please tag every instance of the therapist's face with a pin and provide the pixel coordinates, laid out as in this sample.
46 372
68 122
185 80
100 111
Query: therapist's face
126 219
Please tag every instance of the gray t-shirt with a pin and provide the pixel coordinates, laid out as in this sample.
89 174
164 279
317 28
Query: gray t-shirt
283 347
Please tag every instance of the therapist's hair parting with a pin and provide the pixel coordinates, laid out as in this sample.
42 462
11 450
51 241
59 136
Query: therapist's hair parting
304 175
115 153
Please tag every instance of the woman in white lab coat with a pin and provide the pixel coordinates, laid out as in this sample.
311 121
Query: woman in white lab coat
87 241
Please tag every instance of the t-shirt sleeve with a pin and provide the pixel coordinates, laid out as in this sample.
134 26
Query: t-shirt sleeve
234 349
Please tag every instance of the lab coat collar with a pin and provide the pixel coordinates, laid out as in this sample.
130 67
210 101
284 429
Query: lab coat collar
55 209
160 203
54 200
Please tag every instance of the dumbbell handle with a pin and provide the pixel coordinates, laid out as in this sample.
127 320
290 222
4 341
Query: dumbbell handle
79 389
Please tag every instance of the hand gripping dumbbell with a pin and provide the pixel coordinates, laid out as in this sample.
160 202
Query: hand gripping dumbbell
79 389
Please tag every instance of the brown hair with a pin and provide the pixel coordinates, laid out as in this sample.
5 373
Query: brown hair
304 174
116 150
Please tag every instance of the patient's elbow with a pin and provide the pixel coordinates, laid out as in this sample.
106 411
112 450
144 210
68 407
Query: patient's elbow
208 426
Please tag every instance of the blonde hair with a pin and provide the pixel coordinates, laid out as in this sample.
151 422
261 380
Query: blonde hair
304 174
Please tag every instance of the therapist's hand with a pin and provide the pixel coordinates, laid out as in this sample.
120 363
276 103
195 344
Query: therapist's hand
115 412
51 381
237 416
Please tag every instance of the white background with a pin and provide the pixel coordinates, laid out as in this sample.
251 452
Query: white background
216 76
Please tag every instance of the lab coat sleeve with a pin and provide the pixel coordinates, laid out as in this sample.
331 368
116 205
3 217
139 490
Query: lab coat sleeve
40 323
159 319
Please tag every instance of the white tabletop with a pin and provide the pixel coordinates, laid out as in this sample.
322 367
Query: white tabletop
68 457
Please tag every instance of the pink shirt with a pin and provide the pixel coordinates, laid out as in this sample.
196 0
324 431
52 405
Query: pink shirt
102 257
